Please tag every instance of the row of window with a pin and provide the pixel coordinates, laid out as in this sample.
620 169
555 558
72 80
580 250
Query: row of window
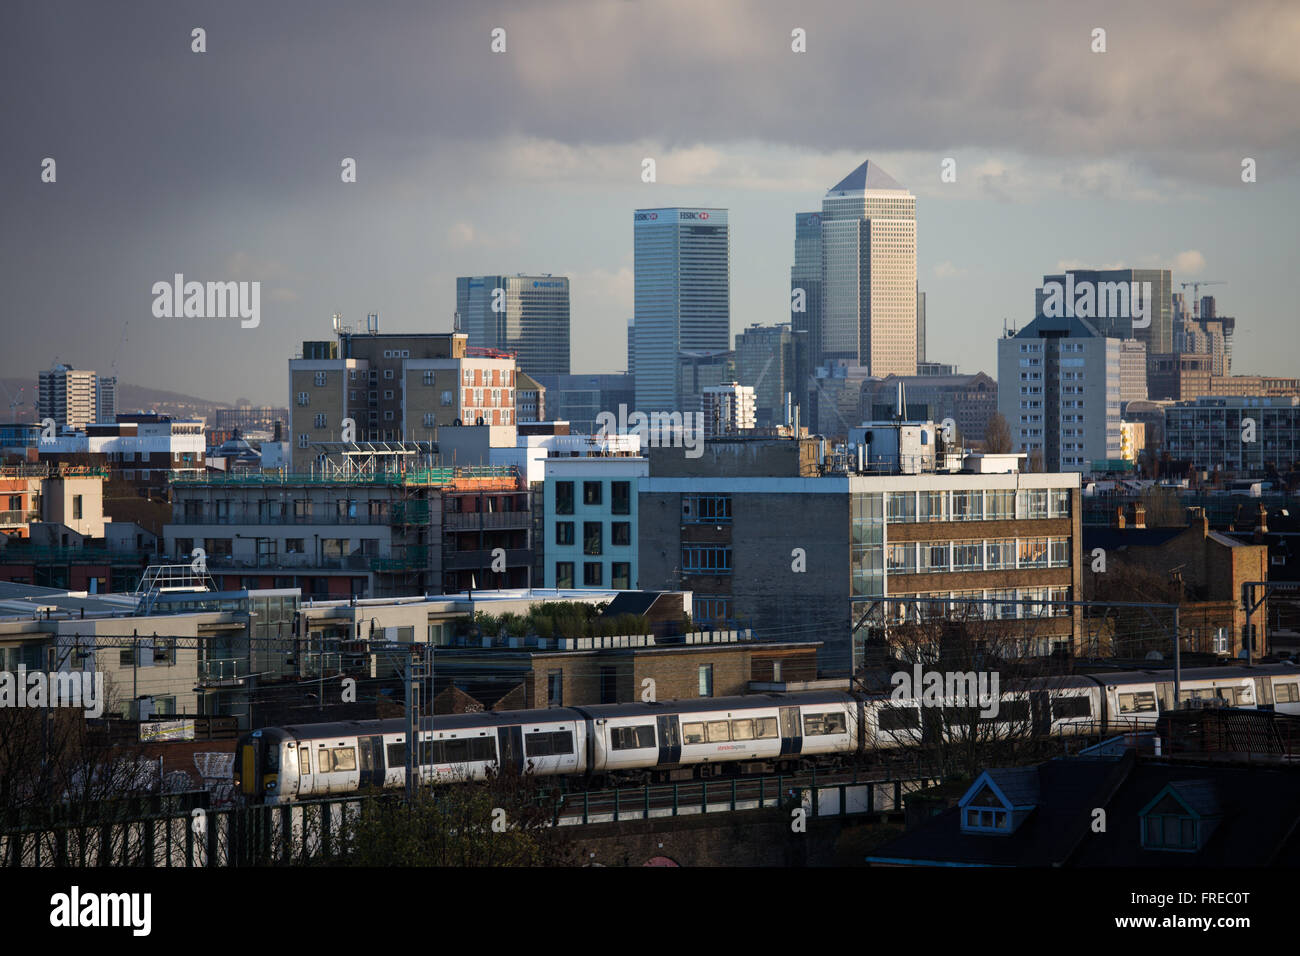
620 535
989 505
991 555
620 496
593 574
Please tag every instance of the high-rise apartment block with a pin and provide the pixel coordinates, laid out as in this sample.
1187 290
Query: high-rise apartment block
393 387
683 296
70 397
728 409
765 361
1059 388
524 314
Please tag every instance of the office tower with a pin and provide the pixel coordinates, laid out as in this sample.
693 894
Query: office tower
631 346
529 316
683 296
806 301
1059 387
1114 302
866 260
106 398
728 409
765 362
1132 371
68 396
920 326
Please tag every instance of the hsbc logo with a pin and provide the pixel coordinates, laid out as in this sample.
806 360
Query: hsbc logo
692 215
645 217
813 220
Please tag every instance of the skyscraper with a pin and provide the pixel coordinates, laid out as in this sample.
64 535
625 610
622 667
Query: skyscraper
1158 335
683 295
765 361
865 311
920 325
528 316
68 396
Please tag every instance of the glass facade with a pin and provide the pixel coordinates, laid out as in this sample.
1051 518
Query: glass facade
533 321
868 545
682 295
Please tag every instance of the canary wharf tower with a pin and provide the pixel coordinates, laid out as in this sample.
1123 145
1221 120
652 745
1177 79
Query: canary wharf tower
860 306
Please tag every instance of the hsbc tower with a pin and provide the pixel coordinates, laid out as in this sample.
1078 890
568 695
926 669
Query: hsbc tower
683 295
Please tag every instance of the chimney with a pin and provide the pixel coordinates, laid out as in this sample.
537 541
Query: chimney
1139 515
1261 526
1119 517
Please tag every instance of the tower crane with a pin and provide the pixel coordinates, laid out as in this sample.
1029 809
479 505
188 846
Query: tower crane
1196 293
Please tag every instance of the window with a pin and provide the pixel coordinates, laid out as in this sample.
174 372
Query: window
1000 505
126 657
548 743
706 680
302 508
1067 707
693 733
555 680
620 497
164 650
718 731
1141 703
564 574
462 750
320 379
1060 502
706 509
706 559
564 532
966 556
427 377
592 574
304 398
901 558
632 738
609 685
447 398
76 506
620 534
765 728
564 497
891 718
388 373
621 576
336 759
1035 503
1286 693
1033 553
742 729
1060 552
819 725
934 557
294 546
999 554
388 394
591 537
983 818
967 505
591 492
933 506
902 506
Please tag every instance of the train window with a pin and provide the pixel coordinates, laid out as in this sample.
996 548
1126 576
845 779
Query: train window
1286 693
898 718
291 760
1144 703
742 729
345 758
719 731
1066 707
482 748
817 725
693 733
548 744
1009 712
397 755
455 751
765 727
304 759
324 760
632 738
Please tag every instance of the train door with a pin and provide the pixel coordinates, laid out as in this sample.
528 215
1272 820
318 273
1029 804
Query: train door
1040 709
670 740
791 732
304 769
371 761
511 742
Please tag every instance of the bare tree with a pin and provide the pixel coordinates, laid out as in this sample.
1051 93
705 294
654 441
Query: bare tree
997 435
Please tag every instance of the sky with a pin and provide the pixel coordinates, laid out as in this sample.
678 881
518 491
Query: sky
225 165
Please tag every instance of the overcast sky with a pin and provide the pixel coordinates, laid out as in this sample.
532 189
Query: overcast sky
225 165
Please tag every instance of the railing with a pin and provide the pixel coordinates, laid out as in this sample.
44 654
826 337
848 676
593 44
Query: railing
21 554
258 519
293 561
486 520
223 670
414 476
18 517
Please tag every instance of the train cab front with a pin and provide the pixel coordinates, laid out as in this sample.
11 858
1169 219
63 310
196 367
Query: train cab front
258 775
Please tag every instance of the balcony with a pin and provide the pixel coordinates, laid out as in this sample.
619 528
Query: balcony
289 562
11 518
482 560
255 518
486 520
223 671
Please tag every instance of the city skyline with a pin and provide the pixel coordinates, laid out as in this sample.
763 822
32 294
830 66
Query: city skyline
1064 179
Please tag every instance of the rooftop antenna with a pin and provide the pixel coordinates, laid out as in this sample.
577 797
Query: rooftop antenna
455 321
372 323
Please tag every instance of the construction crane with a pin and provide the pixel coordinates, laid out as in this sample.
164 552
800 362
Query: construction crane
1196 293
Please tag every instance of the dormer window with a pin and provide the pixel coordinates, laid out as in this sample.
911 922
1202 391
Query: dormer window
1181 817
986 812
999 801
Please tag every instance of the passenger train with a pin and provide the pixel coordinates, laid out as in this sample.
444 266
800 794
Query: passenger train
684 739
